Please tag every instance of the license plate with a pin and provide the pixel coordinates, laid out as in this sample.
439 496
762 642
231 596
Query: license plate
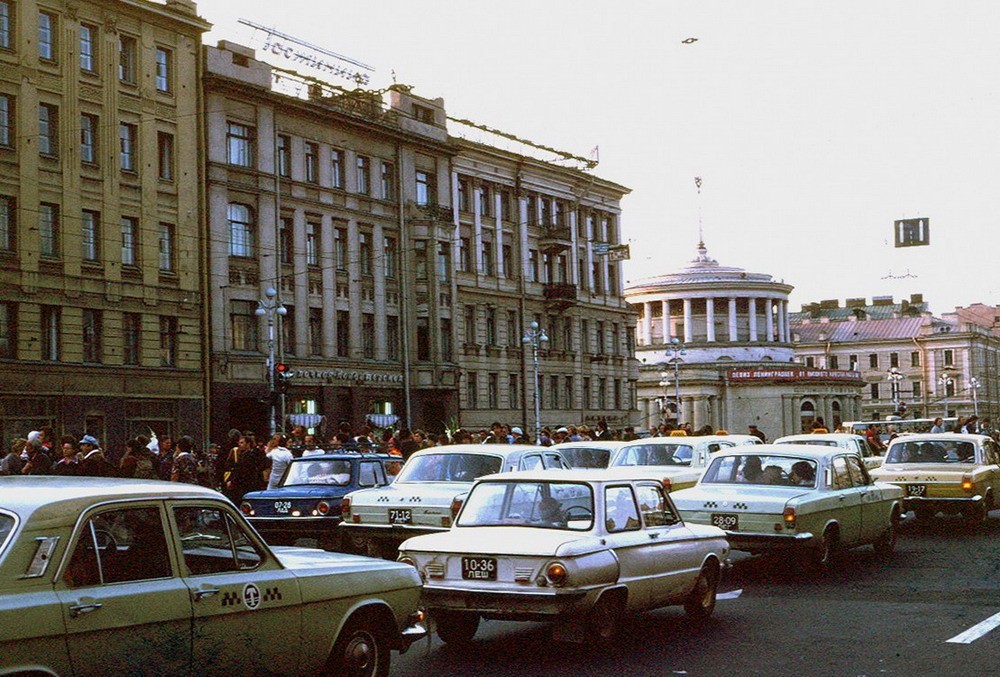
726 520
916 489
400 516
282 507
479 568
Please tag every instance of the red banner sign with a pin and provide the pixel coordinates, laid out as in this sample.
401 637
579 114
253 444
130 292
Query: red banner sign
794 375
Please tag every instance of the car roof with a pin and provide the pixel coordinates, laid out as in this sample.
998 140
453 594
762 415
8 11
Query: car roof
26 495
346 455
833 437
918 437
577 476
493 449
797 450
591 444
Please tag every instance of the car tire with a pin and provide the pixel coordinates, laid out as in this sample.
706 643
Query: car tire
925 513
824 556
701 602
886 543
361 650
975 514
456 627
602 621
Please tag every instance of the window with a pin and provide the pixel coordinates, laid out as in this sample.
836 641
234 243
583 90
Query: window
949 388
88 139
165 155
465 254
371 474
8 331
513 391
88 47
834 362
810 362
336 168
51 322
426 188
315 331
312 244
343 333
423 339
368 335
874 391
470 324
130 248
855 365
166 248
491 326
486 200
472 390
617 393
602 393
600 338
915 359
127 134
241 230
488 263
48 29
240 144
894 360
533 271
532 204
310 156
620 509
388 181
389 256
285 241
8 224
90 236
91 327
365 253
420 259
127 59
168 341
364 176
392 337
554 392
164 69
7 121
513 332
5 28
48 229
132 337
493 391
464 203
120 546
48 129
423 114
568 392
586 396
656 512
340 248
508 262
585 343
949 358
284 155
214 542
444 261
446 338
873 360
917 389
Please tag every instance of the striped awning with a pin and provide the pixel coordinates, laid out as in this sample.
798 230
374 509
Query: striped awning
383 420
305 420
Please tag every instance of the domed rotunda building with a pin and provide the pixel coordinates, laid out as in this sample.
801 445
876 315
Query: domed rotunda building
714 348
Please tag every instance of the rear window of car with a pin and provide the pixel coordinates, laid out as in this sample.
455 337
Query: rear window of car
815 443
336 473
585 457
449 467
6 529
762 469
932 451
655 454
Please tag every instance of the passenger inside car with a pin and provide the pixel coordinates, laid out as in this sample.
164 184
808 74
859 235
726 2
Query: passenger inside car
752 470
772 475
802 474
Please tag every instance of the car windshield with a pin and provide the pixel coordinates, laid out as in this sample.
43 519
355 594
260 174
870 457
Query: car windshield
655 454
586 457
6 526
449 467
543 505
932 451
761 469
313 471
815 443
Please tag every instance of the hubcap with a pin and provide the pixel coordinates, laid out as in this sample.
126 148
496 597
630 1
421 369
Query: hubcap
360 654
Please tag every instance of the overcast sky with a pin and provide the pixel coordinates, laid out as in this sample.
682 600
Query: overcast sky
814 125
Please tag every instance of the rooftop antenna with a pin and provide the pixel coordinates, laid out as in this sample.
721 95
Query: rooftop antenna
701 236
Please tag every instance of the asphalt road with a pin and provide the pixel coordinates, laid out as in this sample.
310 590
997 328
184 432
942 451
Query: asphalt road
868 617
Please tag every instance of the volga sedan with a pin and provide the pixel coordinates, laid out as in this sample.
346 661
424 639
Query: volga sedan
122 577
813 501
578 547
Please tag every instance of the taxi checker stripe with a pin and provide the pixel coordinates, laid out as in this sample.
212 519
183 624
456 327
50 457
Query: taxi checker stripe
711 504
271 594
230 599
740 506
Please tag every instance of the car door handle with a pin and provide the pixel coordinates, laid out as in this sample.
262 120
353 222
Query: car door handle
202 594
78 610
654 534
842 497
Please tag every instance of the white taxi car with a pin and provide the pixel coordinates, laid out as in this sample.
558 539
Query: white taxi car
677 462
946 472
119 577
578 547
588 454
811 500
420 500
856 443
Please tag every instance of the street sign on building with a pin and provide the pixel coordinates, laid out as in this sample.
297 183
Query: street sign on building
912 232
619 252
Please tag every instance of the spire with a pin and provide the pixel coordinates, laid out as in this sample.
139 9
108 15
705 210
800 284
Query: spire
701 235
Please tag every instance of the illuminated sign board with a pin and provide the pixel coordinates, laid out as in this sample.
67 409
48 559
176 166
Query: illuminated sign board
317 58
749 375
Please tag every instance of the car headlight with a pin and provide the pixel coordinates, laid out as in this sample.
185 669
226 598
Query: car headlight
246 508
556 573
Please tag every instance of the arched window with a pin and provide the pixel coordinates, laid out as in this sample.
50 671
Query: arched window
838 417
807 414
241 230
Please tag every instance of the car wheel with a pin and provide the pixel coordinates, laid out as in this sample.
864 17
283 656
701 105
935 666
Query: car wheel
362 650
456 627
925 513
975 514
602 621
824 556
886 543
701 603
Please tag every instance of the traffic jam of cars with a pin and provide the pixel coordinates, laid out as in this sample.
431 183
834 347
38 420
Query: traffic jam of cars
578 535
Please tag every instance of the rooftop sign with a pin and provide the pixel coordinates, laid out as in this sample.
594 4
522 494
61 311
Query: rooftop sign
745 375
317 58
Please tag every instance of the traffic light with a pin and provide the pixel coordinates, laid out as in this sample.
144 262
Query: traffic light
281 375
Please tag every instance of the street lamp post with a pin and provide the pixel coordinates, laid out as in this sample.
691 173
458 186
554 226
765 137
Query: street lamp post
974 384
270 306
673 352
895 377
664 383
945 380
535 336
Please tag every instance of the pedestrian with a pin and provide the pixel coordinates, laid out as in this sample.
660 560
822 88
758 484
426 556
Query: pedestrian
93 463
971 426
184 465
519 436
279 456
938 426
11 464
601 431
139 462
243 469
69 462
405 442
758 433
36 461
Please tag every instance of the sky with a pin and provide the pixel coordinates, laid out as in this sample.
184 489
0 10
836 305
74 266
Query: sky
813 125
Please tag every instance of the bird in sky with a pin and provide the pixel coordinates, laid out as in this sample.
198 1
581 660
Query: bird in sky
689 41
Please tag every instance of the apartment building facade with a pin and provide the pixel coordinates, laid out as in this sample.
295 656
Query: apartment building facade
101 311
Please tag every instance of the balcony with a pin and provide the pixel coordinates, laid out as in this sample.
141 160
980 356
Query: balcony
558 296
556 239
429 212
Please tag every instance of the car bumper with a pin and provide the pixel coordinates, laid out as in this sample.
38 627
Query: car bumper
955 503
294 526
414 631
527 603
758 542
389 533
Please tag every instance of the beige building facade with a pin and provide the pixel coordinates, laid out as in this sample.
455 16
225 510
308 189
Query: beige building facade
101 312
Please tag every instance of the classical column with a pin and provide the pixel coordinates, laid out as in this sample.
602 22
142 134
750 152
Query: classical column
710 318
788 329
329 276
732 320
647 323
752 310
780 312
687 321
665 309
769 320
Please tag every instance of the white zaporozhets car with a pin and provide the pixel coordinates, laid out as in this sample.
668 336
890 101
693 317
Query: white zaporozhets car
126 577
420 500
588 454
579 547
855 443
677 462
809 500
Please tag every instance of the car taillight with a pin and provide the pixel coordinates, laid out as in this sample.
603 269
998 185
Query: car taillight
967 484
345 508
406 559
666 484
245 508
789 517
456 506
323 508
556 573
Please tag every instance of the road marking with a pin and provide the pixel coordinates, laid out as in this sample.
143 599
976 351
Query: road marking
977 630
736 593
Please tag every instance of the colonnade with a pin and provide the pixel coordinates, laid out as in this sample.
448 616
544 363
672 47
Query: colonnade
743 320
